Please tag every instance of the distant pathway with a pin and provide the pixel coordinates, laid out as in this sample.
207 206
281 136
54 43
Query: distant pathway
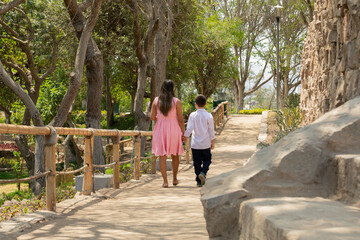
144 210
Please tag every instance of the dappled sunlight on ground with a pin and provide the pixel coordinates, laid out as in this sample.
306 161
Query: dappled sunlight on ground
146 210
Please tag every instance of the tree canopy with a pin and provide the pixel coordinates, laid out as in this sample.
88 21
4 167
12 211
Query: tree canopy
58 58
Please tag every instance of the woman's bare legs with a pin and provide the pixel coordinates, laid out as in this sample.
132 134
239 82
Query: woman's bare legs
175 168
162 166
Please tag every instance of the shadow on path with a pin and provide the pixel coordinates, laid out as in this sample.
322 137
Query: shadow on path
143 209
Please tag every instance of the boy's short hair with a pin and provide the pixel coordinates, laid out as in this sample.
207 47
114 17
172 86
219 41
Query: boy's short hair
200 100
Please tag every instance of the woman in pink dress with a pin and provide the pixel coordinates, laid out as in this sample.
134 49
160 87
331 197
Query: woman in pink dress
166 110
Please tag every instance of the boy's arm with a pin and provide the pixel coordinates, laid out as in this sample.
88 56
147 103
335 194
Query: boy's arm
189 126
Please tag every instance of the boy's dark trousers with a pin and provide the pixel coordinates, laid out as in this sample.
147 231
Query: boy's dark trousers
201 160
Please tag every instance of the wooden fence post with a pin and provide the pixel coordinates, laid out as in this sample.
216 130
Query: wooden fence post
227 109
115 158
222 111
187 150
214 118
88 161
153 164
137 150
50 165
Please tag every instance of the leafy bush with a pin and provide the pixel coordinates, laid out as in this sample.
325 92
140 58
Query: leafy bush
288 120
5 162
293 100
253 111
72 164
65 191
27 202
17 195
78 117
124 122
51 94
127 170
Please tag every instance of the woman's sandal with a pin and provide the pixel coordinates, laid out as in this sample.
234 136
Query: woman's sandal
176 182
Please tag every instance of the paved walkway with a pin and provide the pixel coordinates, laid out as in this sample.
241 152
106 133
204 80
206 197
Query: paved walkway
144 210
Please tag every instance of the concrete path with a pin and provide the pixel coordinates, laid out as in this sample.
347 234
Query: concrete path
144 210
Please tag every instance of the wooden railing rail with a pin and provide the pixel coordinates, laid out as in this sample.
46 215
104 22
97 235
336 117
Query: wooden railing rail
51 134
219 113
25 179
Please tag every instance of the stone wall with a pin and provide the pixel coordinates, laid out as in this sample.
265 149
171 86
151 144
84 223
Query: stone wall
331 58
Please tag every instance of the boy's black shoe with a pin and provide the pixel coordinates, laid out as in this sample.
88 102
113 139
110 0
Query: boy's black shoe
198 184
202 178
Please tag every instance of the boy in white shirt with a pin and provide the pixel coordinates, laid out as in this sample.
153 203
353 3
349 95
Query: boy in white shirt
201 126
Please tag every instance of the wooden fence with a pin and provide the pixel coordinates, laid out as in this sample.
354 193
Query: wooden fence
219 113
51 134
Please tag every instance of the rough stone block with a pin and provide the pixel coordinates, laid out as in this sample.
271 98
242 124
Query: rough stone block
299 165
298 218
101 181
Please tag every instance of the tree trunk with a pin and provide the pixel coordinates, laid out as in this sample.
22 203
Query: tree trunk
109 106
140 118
39 184
29 157
8 118
94 75
285 91
239 94
78 154
163 9
132 111
31 113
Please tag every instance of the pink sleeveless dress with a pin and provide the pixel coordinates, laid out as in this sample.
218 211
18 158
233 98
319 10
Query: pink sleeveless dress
167 133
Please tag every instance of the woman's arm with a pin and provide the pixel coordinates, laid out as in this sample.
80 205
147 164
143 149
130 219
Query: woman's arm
153 112
180 117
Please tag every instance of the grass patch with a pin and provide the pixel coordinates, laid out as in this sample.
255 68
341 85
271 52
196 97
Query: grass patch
11 187
12 175
253 111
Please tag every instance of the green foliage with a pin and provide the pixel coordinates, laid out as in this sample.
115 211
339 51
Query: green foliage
288 120
11 163
5 162
293 100
17 195
127 170
18 110
65 191
124 122
33 203
17 166
72 164
40 25
264 97
78 117
253 111
51 94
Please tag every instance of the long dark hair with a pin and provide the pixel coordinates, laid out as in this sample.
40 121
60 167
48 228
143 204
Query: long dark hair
166 97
